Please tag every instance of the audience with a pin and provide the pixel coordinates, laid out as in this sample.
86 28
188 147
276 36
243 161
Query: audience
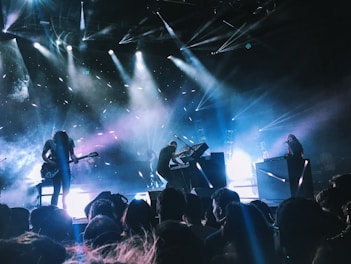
248 235
138 218
19 222
265 210
102 207
53 222
215 242
31 248
170 205
220 199
178 244
302 228
337 249
101 230
5 218
302 231
112 205
331 201
194 215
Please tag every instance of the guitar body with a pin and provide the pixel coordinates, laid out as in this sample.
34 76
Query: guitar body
48 171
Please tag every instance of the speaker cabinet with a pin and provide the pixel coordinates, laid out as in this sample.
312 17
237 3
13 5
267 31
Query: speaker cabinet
214 171
283 177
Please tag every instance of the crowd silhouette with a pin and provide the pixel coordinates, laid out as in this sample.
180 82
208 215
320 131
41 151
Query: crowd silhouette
185 228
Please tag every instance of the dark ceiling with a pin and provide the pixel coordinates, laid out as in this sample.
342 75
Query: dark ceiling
281 33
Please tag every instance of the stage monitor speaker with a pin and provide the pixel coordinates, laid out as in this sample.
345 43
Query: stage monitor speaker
214 170
284 177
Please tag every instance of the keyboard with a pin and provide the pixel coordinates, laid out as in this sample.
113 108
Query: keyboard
180 166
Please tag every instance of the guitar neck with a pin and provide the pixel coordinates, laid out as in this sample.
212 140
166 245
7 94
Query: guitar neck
93 154
82 157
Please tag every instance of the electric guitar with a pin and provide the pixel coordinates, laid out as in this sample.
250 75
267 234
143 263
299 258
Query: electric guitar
49 171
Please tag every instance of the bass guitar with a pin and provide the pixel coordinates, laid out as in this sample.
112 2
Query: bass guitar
48 171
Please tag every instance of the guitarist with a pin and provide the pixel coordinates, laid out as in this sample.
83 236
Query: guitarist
57 152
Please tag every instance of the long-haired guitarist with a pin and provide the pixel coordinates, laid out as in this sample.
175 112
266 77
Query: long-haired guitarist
57 153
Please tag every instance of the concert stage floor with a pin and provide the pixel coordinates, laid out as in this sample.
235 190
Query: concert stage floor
81 194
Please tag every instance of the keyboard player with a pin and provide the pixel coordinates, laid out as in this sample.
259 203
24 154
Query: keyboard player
168 154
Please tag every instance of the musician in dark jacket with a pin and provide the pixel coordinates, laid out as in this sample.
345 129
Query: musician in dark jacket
168 154
57 153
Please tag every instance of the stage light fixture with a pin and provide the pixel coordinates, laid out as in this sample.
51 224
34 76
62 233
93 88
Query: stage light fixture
36 45
138 54
110 52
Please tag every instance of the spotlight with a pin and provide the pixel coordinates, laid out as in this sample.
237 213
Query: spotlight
69 48
110 52
36 45
138 54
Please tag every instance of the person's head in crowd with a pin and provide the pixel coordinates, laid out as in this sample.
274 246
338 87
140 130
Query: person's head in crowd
19 223
101 230
220 199
331 200
209 218
265 210
176 243
301 224
247 231
5 217
102 207
336 250
31 248
119 204
138 217
341 181
194 210
52 222
170 204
